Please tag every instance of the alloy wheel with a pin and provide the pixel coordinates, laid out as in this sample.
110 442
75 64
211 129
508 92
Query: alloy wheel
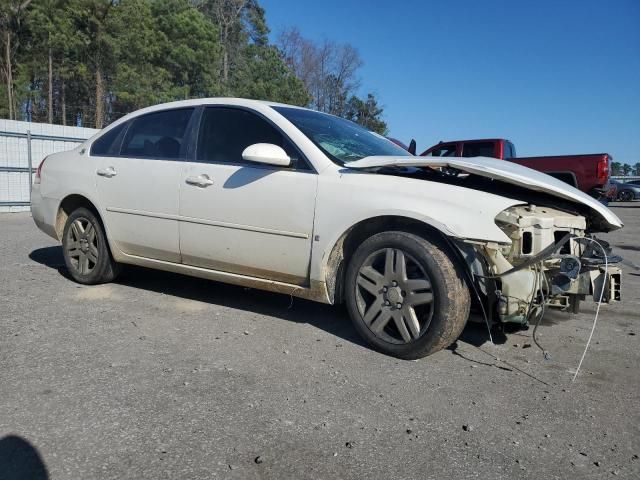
394 296
82 245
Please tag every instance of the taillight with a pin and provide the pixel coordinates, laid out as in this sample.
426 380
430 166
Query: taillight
603 169
39 171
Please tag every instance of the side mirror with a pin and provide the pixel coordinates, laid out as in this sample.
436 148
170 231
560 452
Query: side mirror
266 153
412 147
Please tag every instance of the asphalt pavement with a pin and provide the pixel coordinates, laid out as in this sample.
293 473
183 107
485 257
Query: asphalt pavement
164 376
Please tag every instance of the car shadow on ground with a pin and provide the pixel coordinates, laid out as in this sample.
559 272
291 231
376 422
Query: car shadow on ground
19 460
332 319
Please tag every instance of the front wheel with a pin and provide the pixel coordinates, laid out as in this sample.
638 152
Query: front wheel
405 295
85 249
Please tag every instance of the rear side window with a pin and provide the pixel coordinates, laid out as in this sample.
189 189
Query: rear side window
444 151
109 143
160 135
226 132
478 149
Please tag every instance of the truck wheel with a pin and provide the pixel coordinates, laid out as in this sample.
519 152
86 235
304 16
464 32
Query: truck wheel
85 249
405 295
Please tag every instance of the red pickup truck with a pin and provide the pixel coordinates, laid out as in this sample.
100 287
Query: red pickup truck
589 173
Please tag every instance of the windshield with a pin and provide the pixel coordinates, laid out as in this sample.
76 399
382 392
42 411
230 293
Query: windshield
341 140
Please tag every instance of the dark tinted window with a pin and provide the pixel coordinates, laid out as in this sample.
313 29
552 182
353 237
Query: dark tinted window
226 132
109 143
478 149
444 151
509 150
158 135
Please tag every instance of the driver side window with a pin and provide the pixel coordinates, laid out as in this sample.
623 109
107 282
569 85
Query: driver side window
225 133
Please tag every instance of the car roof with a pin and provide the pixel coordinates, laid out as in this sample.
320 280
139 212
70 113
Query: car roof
196 102
245 102
473 140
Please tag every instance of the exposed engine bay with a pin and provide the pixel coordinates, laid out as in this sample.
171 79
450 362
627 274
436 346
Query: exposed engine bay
551 263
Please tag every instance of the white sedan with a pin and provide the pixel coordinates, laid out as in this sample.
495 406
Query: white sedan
295 201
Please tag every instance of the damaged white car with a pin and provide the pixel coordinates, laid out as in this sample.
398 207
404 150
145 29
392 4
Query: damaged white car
291 200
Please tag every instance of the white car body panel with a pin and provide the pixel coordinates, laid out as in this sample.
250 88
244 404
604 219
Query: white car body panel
347 197
508 172
67 173
256 221
266 226
140 205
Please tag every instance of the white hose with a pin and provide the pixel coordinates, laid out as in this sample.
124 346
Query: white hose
595 319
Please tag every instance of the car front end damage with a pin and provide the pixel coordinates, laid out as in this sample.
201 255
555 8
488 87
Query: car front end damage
551 262
546 257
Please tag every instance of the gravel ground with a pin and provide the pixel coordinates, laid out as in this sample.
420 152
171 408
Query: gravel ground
165 376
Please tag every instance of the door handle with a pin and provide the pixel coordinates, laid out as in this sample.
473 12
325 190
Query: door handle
202 181
107 172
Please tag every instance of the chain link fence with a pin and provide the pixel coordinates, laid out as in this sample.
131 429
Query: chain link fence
23 145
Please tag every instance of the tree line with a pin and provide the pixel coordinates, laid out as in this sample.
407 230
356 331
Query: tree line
624 169
89 62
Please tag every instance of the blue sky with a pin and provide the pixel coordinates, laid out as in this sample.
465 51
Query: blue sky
555 77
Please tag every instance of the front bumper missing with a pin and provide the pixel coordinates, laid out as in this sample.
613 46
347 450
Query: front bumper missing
558 281
609 280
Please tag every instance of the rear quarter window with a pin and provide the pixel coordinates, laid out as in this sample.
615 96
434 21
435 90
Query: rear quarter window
509 150
444 151
478 149
109 143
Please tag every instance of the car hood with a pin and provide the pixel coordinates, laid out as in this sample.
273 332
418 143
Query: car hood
501 170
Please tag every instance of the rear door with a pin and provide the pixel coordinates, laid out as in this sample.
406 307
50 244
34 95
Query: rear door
242 217
138 180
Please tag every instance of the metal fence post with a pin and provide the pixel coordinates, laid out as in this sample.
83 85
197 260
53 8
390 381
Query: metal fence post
30 162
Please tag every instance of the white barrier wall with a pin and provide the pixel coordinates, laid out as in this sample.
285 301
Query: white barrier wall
14 156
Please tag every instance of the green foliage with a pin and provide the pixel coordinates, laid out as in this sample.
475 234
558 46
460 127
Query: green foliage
4 108
367 113
92 61
265 76
616 168
110 57
190 49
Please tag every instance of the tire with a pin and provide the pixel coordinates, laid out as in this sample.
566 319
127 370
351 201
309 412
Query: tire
405 295
625 196
85 249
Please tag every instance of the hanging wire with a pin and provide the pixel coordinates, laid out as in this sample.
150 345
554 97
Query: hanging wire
595 319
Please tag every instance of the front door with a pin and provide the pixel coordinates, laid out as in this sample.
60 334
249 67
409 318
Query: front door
138 185
241 217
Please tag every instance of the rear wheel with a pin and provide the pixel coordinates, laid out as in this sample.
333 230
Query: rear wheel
405 295
625 196
85 249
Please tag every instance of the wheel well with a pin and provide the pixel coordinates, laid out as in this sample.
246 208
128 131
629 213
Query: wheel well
358 233
67 206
